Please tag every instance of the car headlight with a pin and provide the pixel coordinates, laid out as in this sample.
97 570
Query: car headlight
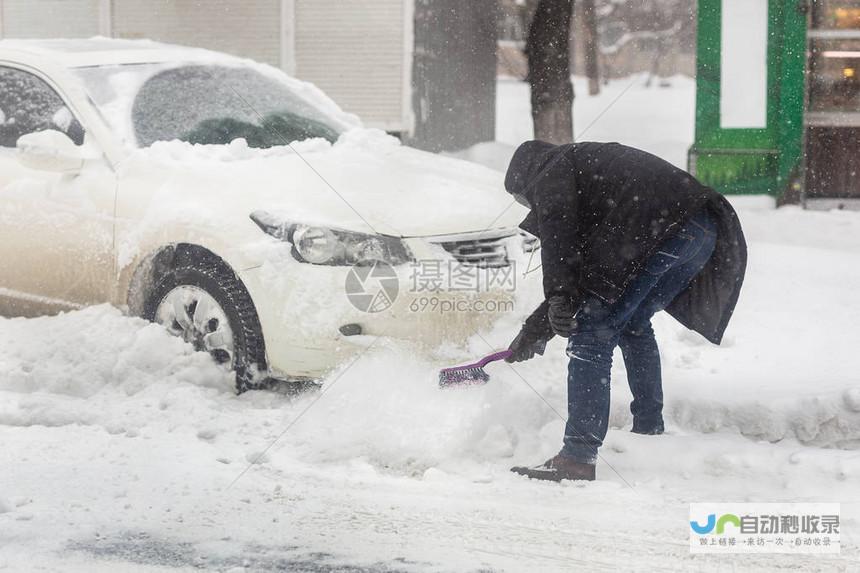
327 246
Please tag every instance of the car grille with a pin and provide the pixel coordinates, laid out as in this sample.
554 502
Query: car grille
482 250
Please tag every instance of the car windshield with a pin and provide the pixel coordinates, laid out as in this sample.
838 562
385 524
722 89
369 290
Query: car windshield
204 103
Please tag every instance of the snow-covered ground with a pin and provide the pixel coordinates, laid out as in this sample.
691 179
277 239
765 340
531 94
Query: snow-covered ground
123 450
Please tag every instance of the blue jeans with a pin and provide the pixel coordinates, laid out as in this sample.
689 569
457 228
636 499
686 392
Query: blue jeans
600 327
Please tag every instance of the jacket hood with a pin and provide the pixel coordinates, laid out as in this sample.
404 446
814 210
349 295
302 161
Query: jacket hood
530 160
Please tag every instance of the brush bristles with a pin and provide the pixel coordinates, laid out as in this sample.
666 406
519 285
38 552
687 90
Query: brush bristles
464 377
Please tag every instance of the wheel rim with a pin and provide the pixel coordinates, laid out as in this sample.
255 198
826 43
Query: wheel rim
192 314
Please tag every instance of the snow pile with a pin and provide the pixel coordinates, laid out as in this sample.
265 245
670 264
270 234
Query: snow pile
788 366
388 410
97 367
65 369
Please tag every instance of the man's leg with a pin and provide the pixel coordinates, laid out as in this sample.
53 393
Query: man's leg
642 359
693 247
590 350
597 331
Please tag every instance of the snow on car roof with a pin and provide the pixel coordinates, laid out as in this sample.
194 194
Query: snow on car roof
101 51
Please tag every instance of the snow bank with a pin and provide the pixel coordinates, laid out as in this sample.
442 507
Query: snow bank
65 369
787 369
97 367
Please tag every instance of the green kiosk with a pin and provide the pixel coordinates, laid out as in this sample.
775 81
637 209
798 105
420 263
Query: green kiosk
778 100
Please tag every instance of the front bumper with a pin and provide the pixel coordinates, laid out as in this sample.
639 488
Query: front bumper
304 308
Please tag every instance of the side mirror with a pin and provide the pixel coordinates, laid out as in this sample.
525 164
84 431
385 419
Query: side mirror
50 150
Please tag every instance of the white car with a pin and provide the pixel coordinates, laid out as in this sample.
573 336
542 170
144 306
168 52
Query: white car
159 179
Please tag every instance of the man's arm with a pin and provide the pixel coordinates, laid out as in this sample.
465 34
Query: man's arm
537 324
556 200
533 336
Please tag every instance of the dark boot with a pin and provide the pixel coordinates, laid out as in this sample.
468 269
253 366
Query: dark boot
557 469
648 430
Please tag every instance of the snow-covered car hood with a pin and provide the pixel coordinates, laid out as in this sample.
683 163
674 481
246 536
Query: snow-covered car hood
365 182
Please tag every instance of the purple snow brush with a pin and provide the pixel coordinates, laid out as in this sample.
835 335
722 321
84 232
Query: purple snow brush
470 374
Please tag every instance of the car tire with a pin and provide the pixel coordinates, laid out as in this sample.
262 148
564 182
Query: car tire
248 360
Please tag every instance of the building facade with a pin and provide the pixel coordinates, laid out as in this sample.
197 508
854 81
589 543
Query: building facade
387 61
778 99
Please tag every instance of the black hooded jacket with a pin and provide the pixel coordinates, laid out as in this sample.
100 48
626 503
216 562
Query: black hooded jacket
602 209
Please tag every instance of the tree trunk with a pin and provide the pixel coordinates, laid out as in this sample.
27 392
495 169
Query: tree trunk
548 51
592 71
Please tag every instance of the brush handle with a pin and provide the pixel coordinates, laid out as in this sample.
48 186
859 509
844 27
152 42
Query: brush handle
501 355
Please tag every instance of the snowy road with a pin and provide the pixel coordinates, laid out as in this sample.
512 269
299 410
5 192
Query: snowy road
121 447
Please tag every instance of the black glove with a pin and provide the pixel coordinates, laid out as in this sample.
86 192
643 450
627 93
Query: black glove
561 313
525 346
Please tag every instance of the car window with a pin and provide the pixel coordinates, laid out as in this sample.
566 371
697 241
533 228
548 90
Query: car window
206 104
28 105
216 104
